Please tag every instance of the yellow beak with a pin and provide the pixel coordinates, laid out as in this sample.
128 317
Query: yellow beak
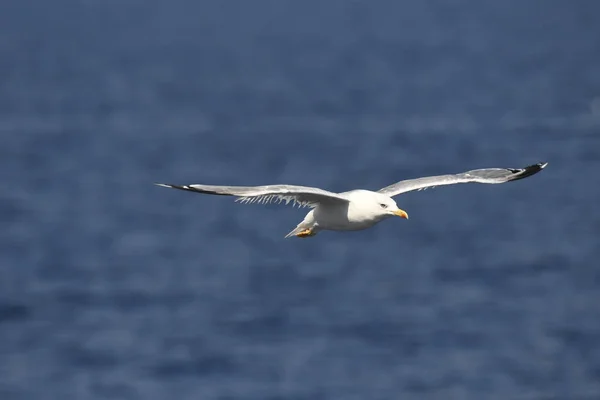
401 214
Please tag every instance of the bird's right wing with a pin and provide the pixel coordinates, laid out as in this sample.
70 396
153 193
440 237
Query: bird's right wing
486 175
298 195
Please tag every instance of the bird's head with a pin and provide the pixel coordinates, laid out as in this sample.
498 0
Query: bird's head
378 206
388 207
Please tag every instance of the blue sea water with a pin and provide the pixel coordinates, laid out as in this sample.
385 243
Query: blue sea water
112 288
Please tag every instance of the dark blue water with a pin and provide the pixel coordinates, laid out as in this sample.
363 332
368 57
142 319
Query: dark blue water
112 288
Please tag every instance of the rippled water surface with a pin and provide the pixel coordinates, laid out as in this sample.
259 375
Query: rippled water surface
112 288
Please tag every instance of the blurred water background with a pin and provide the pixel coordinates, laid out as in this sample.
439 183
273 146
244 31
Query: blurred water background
112 288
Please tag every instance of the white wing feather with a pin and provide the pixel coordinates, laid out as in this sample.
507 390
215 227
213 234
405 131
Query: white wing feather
302 196
486 175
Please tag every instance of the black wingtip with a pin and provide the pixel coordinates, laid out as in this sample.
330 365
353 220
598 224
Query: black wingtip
190 188
168 185
529 170
536 167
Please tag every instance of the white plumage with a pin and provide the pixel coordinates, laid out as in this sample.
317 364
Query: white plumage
356 209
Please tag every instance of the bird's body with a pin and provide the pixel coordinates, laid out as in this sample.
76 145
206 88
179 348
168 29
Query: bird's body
363 210
355 209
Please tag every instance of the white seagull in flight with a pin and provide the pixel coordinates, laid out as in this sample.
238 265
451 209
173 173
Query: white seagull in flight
355 209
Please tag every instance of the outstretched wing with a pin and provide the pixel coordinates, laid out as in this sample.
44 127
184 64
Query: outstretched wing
486 175
303 196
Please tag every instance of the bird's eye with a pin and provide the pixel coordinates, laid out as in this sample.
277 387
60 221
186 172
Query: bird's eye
383 205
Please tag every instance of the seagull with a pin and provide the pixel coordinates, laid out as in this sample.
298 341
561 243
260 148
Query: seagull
356 209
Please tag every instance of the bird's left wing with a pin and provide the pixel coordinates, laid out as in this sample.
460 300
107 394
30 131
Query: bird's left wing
486 175
297 195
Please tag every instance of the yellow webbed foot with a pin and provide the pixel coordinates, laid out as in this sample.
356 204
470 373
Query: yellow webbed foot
306 233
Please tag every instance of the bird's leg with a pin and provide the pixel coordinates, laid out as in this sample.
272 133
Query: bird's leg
308 232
